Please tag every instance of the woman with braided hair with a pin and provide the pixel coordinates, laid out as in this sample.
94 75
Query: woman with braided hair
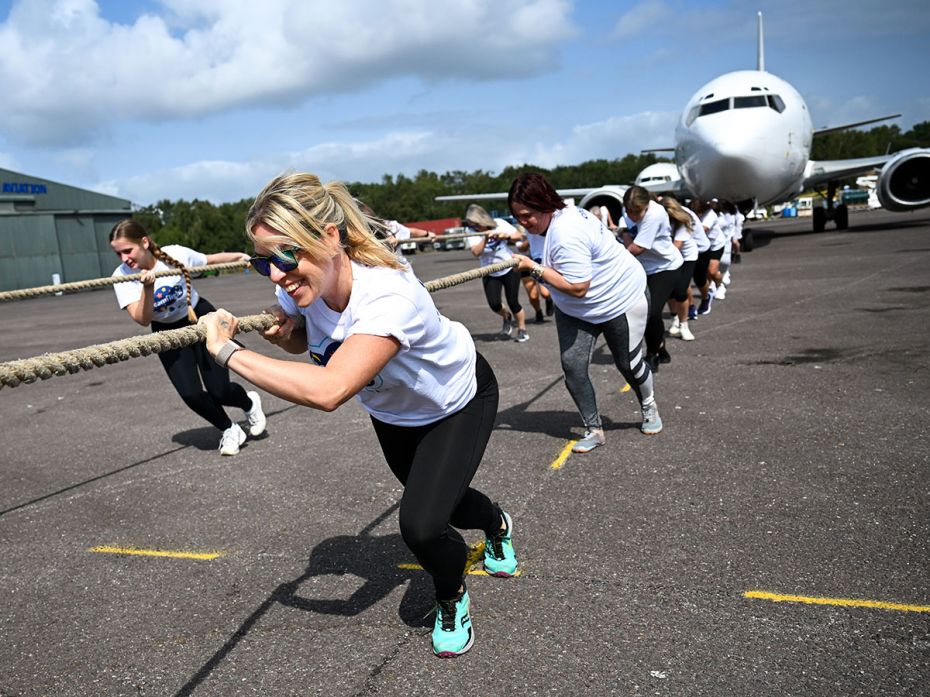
171 302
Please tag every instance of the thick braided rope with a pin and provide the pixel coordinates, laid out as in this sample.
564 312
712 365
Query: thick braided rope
28 370
456 236
48 365
459 278
109 281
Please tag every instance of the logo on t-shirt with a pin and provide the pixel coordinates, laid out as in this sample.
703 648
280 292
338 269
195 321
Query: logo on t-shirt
165 296
321 358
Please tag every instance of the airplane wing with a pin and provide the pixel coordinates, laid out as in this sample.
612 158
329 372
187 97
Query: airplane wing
503 195
676 187
820 172
833 129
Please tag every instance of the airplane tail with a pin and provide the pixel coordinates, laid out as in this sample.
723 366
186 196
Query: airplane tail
760 50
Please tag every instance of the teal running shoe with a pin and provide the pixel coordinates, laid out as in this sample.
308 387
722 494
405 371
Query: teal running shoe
499 557
452 633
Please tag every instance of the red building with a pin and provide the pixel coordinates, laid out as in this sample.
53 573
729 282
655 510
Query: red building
436 226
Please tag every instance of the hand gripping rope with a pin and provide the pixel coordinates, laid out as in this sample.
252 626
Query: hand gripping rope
29 370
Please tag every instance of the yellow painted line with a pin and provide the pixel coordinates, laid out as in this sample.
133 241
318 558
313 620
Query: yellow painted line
625 388
104 549
842 602
563 456
475 552
469 572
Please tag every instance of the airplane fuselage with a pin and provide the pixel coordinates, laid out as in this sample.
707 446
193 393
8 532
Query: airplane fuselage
744 135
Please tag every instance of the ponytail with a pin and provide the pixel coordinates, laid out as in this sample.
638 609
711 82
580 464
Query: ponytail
676 214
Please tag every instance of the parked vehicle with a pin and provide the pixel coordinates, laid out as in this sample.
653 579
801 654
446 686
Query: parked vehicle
444 245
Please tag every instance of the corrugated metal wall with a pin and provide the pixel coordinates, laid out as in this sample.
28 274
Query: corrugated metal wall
48 228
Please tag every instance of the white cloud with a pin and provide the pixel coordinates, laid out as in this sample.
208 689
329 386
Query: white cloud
68 72
641 18
611 138
470 148
213 180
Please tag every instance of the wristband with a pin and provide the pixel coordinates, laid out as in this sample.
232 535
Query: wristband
537 271
226 351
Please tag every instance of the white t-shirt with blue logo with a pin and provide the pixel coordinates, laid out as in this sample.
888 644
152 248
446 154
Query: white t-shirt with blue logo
494 250
581 248
433 373
170 292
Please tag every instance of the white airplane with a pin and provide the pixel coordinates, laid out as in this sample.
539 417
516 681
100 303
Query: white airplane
746 136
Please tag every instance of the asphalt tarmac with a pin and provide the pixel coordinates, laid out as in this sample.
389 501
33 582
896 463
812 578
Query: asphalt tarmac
794 462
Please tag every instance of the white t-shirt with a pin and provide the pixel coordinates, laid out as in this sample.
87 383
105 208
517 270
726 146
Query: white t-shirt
711 223
494 250
170 292
537 245
654 234
400 232
433 373
740 218
581 248
697 231
727 225
689 248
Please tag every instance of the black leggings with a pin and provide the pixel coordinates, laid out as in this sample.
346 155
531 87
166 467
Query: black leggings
436 464
660 286
186 366
683 281
700 268
510 284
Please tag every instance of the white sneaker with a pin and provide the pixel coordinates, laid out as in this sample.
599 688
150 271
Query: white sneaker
593 437
685 332
255 415
726 278
675 329
232 438
721 293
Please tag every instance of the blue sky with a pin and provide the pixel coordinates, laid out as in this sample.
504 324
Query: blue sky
150 100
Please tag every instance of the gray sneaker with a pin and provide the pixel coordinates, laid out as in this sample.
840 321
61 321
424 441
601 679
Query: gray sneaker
507 327
522 336
593 437
652 422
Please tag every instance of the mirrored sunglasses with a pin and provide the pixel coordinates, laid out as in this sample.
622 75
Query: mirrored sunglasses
285 260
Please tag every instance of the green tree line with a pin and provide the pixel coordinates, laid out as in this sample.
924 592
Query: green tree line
209 227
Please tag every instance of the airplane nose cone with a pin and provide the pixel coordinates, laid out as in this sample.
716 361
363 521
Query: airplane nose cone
732 161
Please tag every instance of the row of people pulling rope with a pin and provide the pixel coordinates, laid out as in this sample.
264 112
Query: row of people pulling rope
369 324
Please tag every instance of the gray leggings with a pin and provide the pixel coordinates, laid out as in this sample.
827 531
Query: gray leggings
624 337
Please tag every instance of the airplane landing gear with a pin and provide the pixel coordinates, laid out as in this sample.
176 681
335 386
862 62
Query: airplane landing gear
838 214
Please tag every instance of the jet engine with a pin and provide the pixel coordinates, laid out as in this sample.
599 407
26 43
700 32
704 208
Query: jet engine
904 182
609 195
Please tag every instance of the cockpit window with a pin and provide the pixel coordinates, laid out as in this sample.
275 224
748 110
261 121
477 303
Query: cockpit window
693 114
714 107
776 103
749 102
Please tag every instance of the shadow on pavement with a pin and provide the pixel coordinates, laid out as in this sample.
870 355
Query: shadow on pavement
371 558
